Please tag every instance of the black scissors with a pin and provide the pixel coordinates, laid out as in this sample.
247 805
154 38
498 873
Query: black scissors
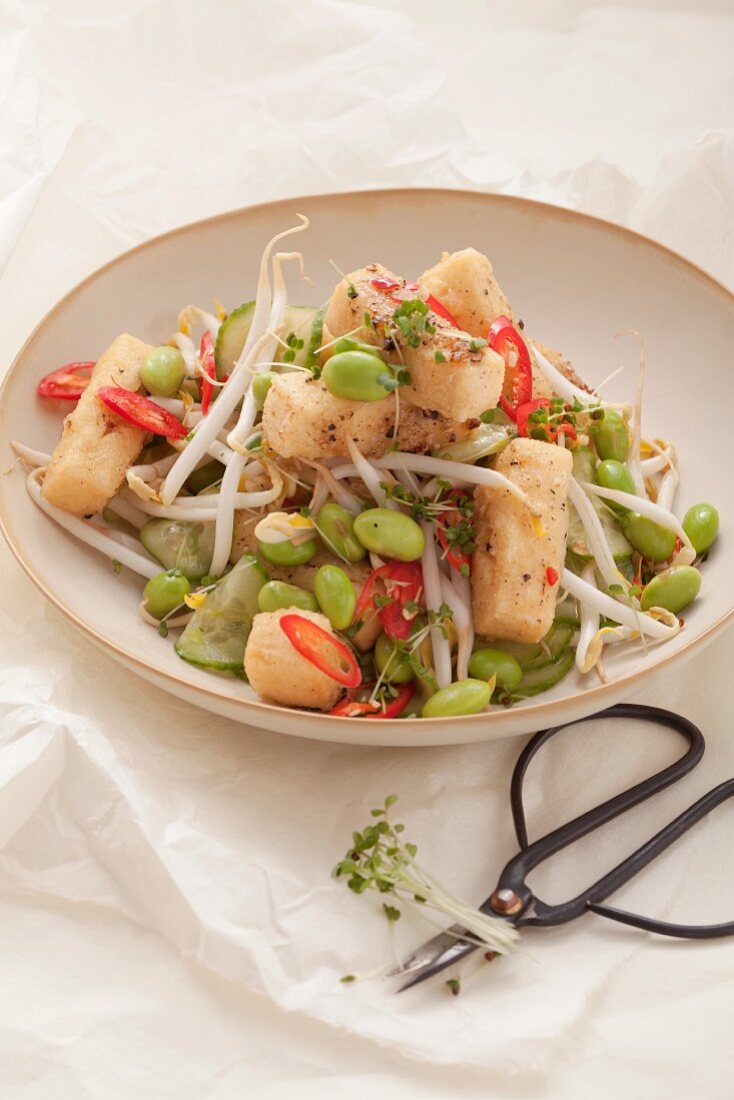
513 900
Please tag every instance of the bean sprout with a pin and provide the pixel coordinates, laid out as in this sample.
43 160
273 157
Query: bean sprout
594 532
432 589
559 383
85 532
456 592
589 622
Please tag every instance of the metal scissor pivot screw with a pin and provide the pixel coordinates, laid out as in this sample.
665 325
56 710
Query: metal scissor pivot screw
505 902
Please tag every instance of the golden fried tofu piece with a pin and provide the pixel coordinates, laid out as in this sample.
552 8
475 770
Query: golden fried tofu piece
512 595
277 671
301 419
97 446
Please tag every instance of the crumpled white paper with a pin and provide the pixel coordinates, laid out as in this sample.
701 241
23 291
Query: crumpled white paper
167 909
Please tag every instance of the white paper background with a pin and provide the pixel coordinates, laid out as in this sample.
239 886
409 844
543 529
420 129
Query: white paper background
168 925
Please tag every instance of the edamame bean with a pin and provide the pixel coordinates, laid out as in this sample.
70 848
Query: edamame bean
615 475
261 383
336 527
287 552
486 663
701 524
654 542
390 534
204 476
357 376
277 594
335 593
392 665
672 589
345 343
463 697
164 592
163 371
611 436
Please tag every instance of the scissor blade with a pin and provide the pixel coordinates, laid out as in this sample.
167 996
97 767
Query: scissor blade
435 955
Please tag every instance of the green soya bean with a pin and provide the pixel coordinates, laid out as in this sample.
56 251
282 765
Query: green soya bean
390 534
287 552
163 371
701 524
391 664
463 697
654 542
336 527
611 436
204 476
164 592
486 663
672 589
261 383
615 475
357 376
277 594
345 343
335 593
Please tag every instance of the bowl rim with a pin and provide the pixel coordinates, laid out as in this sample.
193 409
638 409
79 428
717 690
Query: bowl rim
603 693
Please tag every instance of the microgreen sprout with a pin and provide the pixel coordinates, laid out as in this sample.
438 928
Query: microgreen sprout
380 860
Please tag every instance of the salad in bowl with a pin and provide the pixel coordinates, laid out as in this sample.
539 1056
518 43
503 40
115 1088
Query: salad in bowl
396 503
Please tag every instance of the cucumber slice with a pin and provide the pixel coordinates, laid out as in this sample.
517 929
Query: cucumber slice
217 634
567 612
577 544
486 440
304 322
540 679
584 464
177 544
231 338
555 641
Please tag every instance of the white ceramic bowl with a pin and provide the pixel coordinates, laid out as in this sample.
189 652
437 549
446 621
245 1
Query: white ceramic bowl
576 281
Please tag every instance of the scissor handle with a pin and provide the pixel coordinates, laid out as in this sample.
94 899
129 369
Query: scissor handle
648 852
512 880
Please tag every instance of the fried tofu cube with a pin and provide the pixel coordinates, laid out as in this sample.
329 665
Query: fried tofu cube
97 446
277 671
513 598
449 374
464 283
301 419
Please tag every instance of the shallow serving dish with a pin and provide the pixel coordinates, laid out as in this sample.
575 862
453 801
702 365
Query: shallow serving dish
575 280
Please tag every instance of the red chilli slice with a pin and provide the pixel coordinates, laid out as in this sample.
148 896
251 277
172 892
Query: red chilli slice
551 575
440 309
322 649
348 707
141 412
67 383
503 338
